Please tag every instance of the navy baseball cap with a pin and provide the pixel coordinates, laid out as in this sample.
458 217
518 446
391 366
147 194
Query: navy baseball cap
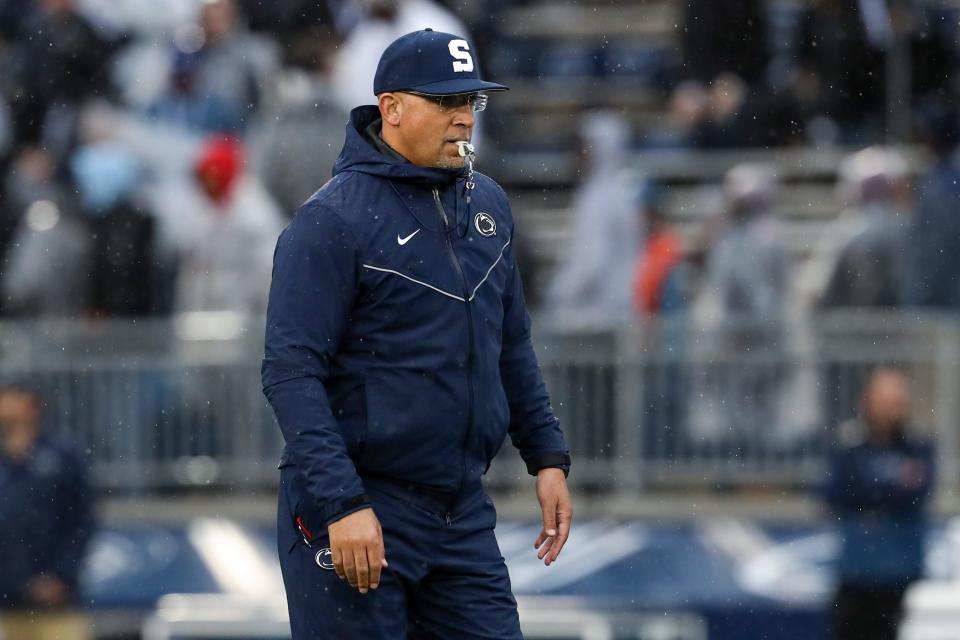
430 62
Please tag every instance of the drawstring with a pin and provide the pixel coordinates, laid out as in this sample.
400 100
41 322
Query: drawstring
463 227
468 154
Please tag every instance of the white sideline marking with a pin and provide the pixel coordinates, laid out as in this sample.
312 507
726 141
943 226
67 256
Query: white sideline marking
238 565
590 549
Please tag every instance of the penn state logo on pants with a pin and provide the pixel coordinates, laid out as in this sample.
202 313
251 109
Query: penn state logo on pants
324 559
485 224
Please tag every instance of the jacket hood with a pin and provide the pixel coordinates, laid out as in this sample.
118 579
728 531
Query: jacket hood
360 154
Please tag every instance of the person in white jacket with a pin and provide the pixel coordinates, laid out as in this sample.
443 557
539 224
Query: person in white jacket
226 258
741 317
593 280
383 22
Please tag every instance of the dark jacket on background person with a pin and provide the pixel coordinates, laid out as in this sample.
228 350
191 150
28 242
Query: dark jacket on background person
835 30
934 264
122 274
54 62
879 495
46 519
734 29
871 270
397 340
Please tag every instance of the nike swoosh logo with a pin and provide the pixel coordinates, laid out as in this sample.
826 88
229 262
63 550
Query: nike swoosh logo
403 241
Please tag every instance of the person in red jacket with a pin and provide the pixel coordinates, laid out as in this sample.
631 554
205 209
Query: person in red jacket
662 253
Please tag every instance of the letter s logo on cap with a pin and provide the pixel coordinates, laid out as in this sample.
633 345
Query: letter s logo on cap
460 50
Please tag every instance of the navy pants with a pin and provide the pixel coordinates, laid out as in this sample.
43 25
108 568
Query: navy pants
446 579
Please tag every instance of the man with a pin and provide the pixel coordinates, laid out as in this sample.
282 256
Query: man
878 488
398 356
743 305
592 284
235 67
46 511
933 279
867 261
863 260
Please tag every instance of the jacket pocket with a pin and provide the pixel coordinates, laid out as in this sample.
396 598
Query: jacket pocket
303 513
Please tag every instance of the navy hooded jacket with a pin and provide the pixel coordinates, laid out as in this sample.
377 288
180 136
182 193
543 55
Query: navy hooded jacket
879 496
46 519
397 340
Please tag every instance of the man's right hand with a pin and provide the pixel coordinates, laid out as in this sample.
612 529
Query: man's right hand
356 542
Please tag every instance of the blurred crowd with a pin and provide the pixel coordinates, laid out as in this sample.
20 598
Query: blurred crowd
848 72
734 303
889 245
150 155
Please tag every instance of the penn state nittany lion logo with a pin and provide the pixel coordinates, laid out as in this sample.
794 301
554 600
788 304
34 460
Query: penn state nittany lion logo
324 559
485 224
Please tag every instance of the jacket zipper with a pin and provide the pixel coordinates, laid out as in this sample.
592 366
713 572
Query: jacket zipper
466 304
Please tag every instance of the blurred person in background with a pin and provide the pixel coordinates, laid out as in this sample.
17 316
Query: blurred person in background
880 478
934 270
46 521
45 270
861 263
736 115
930 31
123 282
725 36
592 282
726 120
723 113
868 267
742 307
305 121
290 21
661 282
166 188
122 269
835 37
657 281
382 22
192 107
56 60
725 50
674 128
235 67
225 262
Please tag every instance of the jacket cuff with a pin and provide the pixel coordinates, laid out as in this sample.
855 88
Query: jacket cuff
554 460
338 509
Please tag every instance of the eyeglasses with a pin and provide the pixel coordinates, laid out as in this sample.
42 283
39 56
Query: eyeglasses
477 101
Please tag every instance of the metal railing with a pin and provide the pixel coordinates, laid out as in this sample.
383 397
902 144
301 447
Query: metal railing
681 403
166 404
